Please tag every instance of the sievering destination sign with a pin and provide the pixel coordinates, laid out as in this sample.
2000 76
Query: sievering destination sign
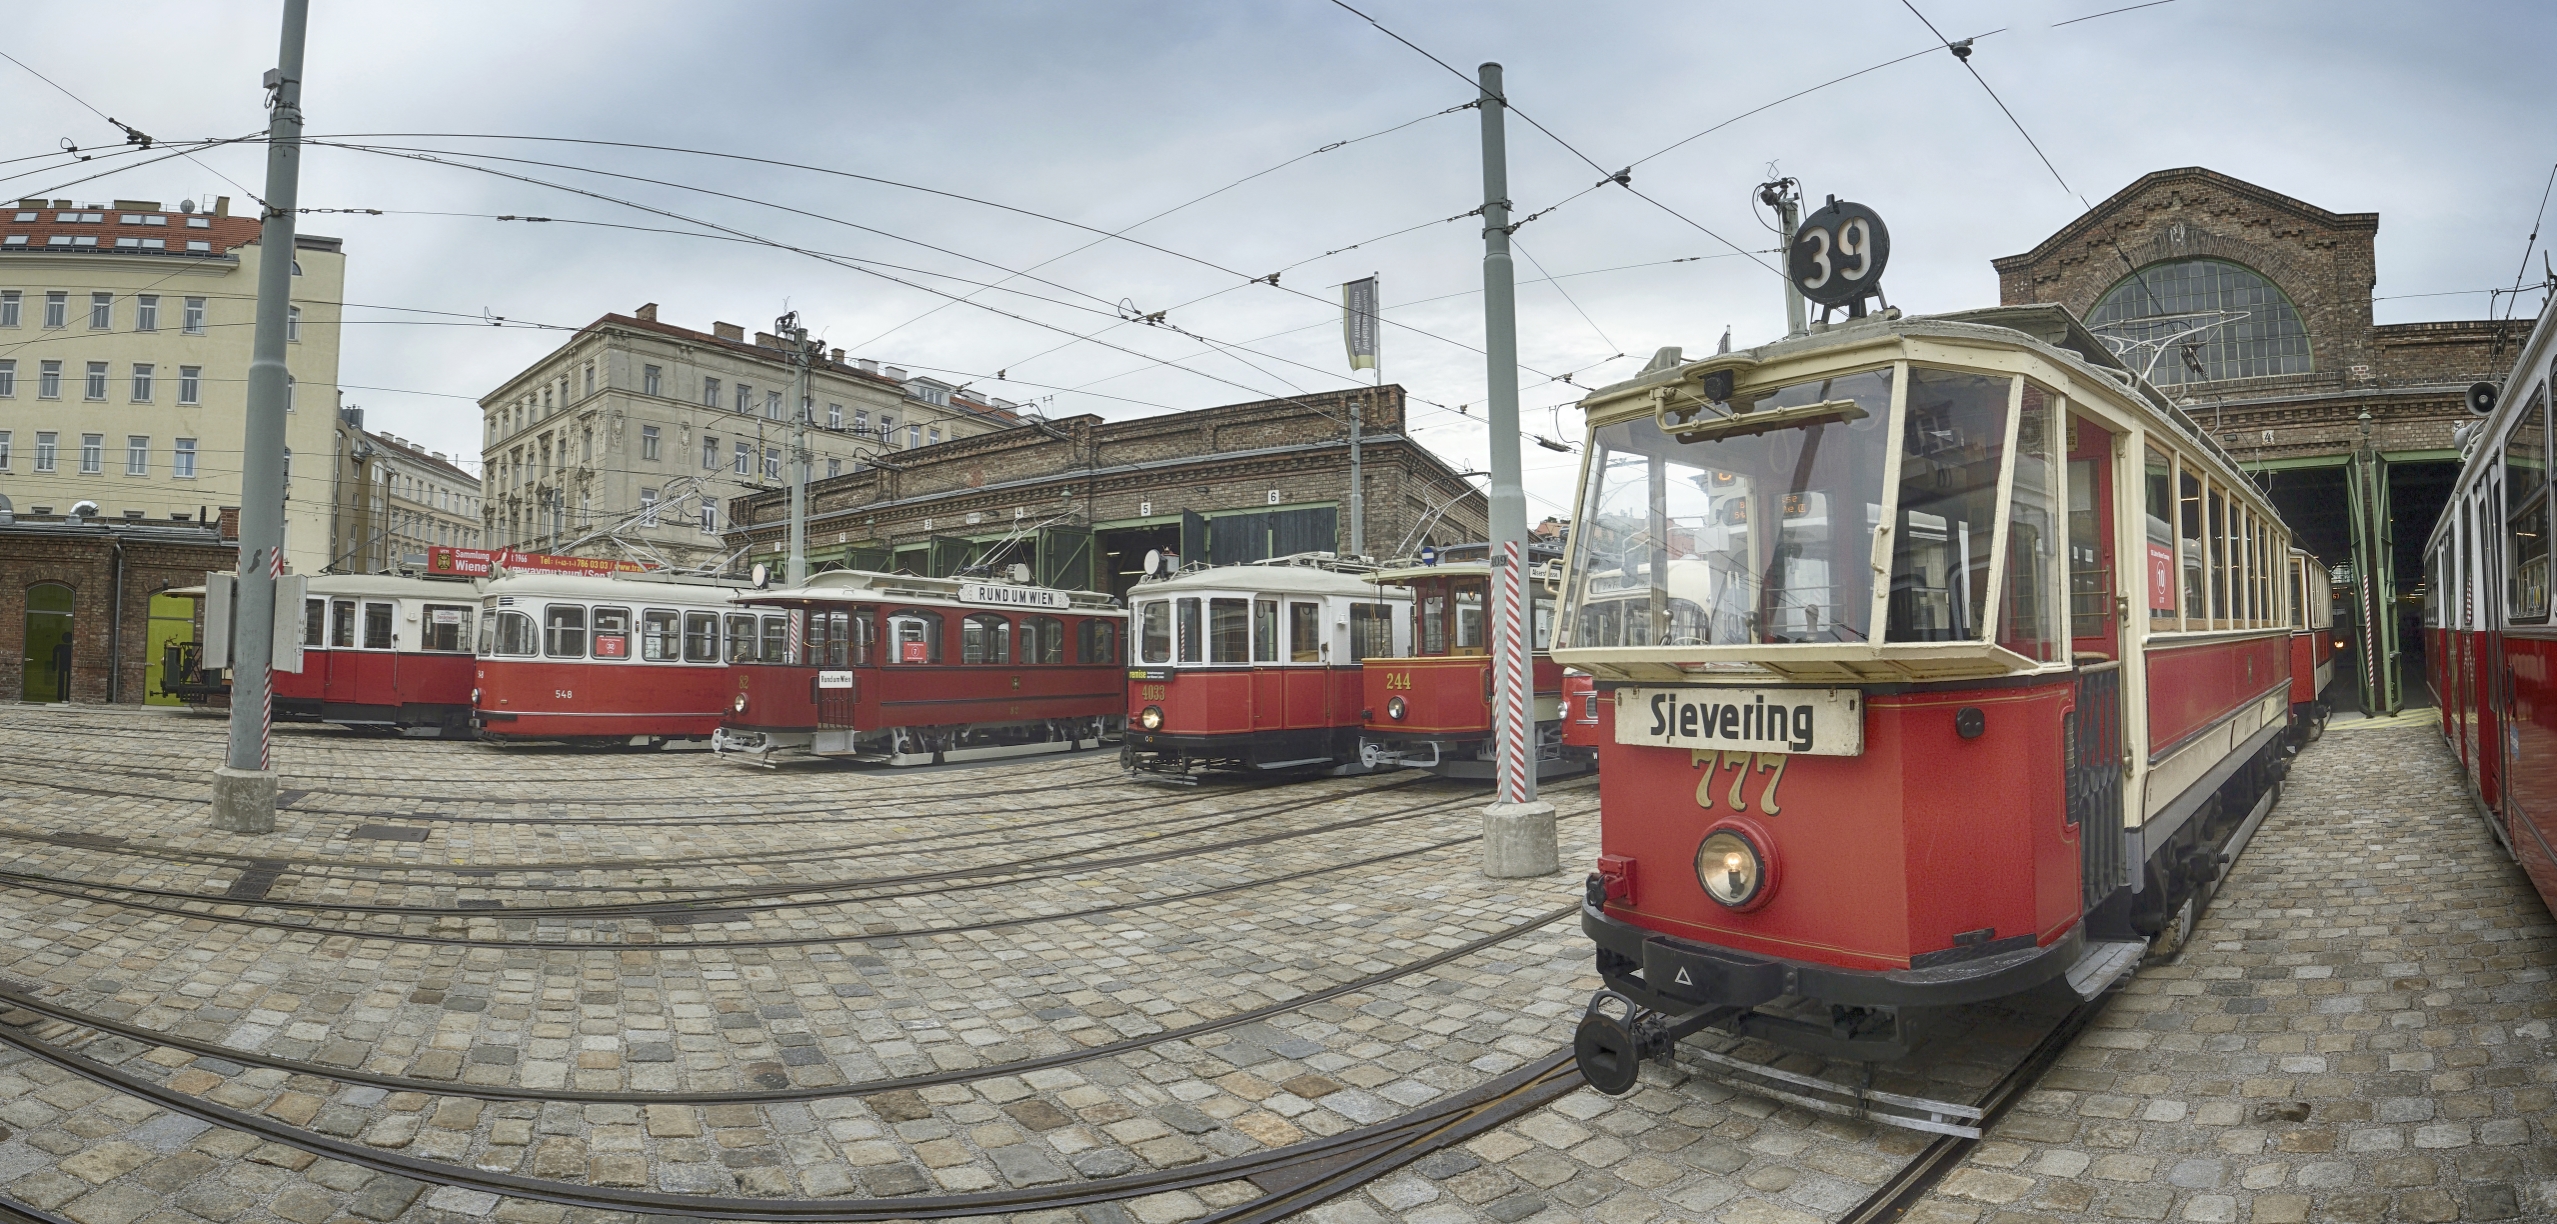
1810 722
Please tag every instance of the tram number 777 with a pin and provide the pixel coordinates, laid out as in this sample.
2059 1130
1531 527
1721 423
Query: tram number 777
1744 766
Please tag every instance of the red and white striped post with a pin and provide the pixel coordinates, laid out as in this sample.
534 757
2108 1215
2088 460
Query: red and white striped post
1517 744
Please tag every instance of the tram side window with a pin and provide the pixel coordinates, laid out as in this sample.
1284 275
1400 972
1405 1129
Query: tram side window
2526 511
564 631
2029 613
776 639
2160 554
985 638
660 636
1954 443
1371 631
829 638
377 625
701 637
1429 618
1189 640
2190 554
1304 632
914 636
1467 596
314 622
447 628
342 623
1042 639
1154 631
1097 641
2217 518
612 633
1229 631
742 639
1265 630
515 637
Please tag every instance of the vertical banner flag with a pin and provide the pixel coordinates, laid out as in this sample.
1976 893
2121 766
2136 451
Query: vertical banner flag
1358 322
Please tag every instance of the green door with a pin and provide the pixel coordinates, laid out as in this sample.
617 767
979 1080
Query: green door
46 672
1065 558
950 554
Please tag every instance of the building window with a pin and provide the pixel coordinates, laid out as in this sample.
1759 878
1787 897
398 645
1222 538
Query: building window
860 420
101 311
834 468
96 386
888 429
934 434
8 377
745 399
4 450
914 436
648 507
590 378
46 443
834 416
586 446
745 460
190 384
290 383
11 301
57 309
2248 328
772 463
182 459
142 382
195 316
146 312
137 455
710 519
710 392
293 323
48 380
93 454
651 380
772 405
288 463
648 442
709 453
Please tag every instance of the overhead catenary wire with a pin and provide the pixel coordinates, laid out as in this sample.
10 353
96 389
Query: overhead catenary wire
132 135
1962 53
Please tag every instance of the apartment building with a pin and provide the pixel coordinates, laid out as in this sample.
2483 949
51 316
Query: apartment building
125 335
653 427
395 500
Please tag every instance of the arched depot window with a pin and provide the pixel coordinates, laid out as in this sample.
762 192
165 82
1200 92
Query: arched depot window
2209 313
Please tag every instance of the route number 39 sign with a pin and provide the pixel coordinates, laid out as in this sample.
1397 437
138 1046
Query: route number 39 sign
1838 255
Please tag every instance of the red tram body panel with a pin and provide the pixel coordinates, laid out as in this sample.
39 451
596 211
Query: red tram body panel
621 658
900 670
1254 668
1430 708
384 651
2490 642
1887 722
1582 728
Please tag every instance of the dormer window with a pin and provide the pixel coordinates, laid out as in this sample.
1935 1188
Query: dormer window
199 223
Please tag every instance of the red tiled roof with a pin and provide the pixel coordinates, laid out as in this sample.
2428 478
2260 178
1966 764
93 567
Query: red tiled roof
40 226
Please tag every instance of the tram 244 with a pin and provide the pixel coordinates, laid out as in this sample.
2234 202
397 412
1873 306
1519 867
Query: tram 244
901 670
1898 706
1430 707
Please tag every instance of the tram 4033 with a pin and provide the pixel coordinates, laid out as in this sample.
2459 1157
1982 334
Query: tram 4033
1934 659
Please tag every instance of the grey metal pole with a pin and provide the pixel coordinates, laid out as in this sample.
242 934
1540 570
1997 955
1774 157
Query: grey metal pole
244 786
797 338
1518 830
1789 214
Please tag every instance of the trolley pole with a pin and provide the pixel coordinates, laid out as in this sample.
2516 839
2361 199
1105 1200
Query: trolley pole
1518 829
244 785
797 338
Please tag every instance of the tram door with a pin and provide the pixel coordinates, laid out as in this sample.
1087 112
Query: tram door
1269 682
2097 597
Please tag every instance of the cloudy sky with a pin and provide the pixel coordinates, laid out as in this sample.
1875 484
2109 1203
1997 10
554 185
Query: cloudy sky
999 144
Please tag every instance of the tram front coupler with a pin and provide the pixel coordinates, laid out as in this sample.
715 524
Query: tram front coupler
1616 1034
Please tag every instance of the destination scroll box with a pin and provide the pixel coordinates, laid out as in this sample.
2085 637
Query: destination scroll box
1805 722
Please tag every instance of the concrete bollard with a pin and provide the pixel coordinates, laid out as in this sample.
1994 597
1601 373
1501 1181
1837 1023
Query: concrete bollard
243 800
1518 840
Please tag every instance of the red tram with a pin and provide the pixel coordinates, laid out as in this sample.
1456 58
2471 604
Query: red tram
2490 643
384 651
1430 706
901 670
627 658
1255 668
2312 643
1937 658
1580 717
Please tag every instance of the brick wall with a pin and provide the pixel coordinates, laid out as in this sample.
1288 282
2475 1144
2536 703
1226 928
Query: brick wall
83 559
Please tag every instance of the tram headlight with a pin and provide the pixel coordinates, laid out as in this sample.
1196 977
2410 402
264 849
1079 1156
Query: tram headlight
1730 868
739 705
1151 719
1394 708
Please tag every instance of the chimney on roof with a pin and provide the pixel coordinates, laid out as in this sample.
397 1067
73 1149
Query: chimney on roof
137 206
62 203
767 340
230 524
728 331
221 206
838 356
868 366
648 312
895 373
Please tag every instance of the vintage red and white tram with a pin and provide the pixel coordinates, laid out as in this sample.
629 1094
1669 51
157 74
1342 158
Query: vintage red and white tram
902 670
1254 669
2312 606
629 658
380 650
2490 641
1580 717
1908 697
1430 706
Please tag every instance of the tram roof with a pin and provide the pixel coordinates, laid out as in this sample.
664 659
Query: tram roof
984 592
396 585
2479 441
608 586
1283 579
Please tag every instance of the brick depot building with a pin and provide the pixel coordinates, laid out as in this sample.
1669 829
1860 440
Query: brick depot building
2253 311
85 613
1081 500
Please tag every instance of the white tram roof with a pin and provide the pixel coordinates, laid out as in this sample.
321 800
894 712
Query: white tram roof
398 586
614 588
1273 579
872 586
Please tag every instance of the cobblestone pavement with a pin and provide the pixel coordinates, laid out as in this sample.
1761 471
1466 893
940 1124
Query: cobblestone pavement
2359 1031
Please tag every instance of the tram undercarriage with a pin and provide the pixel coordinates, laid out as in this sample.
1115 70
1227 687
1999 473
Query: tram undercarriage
1475 759
916 745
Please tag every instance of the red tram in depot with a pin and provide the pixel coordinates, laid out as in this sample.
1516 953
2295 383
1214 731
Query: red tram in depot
2313 643
900 670
379 650
2490 643
1430 706
622 658
1254 669
1936 658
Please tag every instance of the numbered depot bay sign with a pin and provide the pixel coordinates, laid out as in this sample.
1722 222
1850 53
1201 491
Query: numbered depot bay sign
1808 722
1838 255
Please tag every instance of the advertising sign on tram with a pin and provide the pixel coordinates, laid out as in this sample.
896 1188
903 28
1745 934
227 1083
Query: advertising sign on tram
478 562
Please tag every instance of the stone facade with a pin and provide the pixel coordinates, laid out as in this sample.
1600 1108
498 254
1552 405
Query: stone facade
395 500
1132 482
111 642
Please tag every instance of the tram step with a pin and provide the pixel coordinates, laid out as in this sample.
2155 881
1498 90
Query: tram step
2102 965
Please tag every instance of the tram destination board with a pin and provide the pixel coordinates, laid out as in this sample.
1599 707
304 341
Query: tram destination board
1809 722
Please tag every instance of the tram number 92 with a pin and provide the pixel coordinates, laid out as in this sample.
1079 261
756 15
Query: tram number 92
1838 254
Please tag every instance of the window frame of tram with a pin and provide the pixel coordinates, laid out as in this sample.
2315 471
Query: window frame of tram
448 635
2526 506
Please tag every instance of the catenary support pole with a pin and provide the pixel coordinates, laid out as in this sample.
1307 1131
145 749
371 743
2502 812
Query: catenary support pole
797 338
244 786
1789 215
1518 829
